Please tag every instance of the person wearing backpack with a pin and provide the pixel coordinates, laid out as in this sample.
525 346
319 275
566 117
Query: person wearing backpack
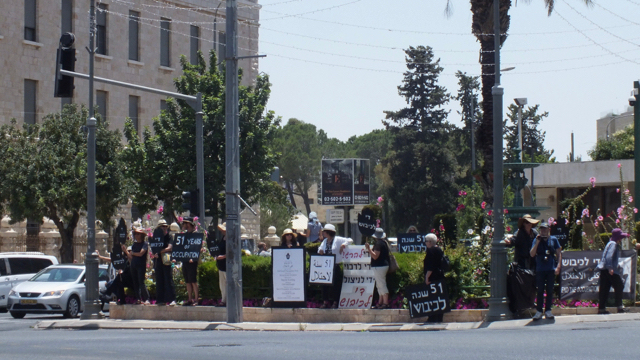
548 254
380 265
433 267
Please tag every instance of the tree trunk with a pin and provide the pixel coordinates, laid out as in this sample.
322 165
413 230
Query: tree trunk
305 198
66 234
291 194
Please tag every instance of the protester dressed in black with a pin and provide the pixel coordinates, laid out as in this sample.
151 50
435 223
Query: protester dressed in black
190 268
380 266
221 263
165 293
523 242
433 267
138 258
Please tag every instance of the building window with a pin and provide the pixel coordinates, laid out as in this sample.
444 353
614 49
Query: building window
165 42
30 91
66 16
101 29
195 44
30 8
134 18
133 111
101 101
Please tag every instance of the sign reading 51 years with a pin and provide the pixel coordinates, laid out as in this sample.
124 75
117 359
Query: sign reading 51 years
186 246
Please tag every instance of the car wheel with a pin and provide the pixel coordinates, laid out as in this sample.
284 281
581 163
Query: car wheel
73 307
4 310
18 315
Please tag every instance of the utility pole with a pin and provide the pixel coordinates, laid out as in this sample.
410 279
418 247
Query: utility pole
91 304
200 161
498 302
636 151
472 119
232 160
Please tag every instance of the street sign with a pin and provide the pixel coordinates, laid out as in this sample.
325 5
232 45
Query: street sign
335 216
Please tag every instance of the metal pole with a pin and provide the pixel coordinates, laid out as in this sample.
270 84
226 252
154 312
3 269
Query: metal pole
472 117
91 304
498 302
200 161
520 132
232 159
636 150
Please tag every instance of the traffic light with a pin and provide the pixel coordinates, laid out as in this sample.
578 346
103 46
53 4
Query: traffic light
190 202
65 60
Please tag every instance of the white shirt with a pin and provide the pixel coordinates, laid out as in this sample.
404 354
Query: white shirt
335 247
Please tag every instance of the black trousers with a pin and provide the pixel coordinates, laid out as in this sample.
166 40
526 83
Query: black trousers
606 281
139 288
544 281
116 287
332 292
165 292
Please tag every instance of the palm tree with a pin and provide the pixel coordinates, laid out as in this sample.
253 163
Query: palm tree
482 28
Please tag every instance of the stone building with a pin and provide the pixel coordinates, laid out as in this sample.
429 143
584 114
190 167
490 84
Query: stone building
138 41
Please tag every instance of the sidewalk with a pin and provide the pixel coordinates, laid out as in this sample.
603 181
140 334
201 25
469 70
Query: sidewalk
262 326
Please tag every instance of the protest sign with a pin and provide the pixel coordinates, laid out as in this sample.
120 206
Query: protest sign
118 259
358 280
411 243
120 235
321 269
367 222
186 246
287 269
156 242
427 300
579 278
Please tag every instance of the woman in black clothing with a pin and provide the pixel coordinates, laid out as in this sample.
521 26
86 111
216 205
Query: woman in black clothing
288 239
523 242
165 293
433 267
138 258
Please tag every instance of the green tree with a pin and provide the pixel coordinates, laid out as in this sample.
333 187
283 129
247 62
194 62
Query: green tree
532 136
44 172
275 209
299 162
421 166
163 163
482 28
468 87
619 146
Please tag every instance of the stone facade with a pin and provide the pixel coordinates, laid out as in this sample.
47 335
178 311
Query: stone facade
35 60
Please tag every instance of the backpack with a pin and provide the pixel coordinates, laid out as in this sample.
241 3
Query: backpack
445 264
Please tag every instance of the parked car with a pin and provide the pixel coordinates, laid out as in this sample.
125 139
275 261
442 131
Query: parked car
18 267
58 289
393 242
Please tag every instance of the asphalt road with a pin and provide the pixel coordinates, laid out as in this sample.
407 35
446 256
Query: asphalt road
612 340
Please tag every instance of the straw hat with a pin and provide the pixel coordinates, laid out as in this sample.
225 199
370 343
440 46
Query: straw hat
287 232
528 219
162 222
223 226
188 220
139 230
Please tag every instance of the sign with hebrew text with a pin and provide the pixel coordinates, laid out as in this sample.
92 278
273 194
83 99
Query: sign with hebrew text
411 243
358 280
579 278
426 300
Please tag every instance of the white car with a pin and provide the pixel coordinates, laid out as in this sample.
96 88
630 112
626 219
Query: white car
58 289
17 267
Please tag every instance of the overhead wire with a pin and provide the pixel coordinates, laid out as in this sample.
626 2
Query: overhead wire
310 12
614 14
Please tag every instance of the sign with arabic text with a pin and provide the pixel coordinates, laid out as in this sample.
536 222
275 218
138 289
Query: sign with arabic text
321 269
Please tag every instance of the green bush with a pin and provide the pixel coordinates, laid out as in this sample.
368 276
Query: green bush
256 278
604 237
449 223
409 273
312 248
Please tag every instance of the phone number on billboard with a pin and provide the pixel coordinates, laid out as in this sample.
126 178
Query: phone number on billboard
362 198
345 199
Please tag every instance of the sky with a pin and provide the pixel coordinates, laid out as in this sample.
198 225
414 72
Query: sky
337 63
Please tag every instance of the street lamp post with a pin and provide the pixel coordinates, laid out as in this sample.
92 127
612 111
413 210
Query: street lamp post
636 134
521 102
498 302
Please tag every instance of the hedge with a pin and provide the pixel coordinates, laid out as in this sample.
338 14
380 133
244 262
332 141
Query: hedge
256 277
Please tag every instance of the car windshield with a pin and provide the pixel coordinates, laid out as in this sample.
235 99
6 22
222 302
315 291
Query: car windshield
58 275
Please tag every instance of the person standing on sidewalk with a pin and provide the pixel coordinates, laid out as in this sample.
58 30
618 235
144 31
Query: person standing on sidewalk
380 266
610 272
524 239
314 229
288 239
165 293
335 245
138 258
221 263
546 249
433 267
190 268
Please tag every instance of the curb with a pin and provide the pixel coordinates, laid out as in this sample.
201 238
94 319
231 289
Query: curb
208 326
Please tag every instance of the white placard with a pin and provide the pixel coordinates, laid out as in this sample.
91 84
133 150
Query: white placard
288 274
335 216
358 280
321 269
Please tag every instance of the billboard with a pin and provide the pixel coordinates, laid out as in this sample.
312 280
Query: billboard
345 181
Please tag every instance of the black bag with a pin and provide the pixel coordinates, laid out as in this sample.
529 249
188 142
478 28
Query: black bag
445 264
521 288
